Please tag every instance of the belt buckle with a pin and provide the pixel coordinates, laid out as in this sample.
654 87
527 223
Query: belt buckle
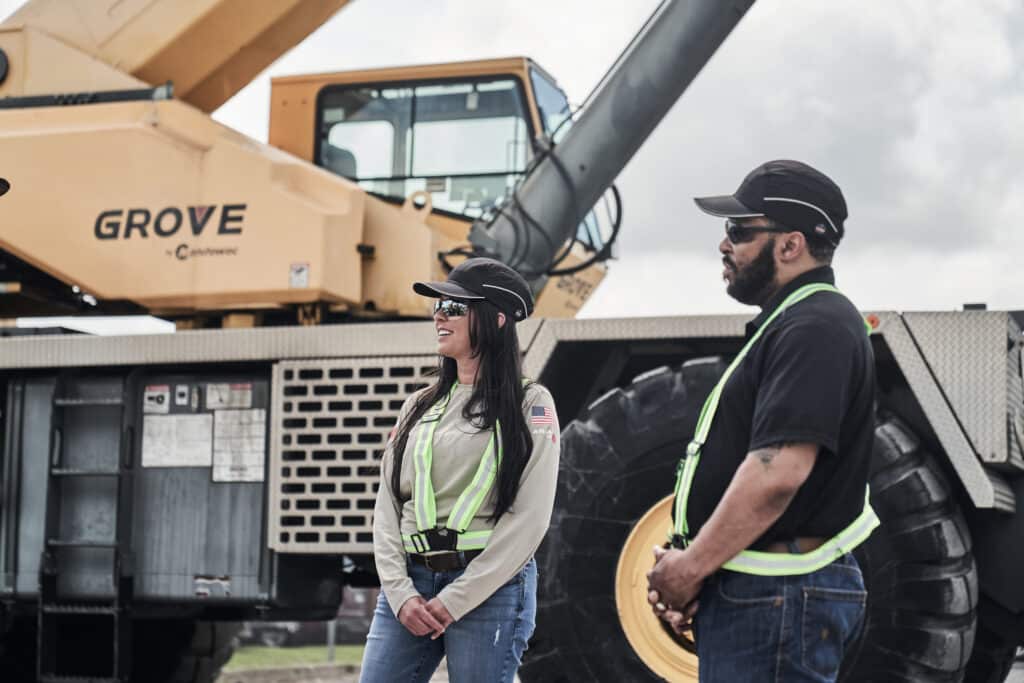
442 538
428 561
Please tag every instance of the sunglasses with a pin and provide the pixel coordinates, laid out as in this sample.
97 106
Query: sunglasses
450 308
738 234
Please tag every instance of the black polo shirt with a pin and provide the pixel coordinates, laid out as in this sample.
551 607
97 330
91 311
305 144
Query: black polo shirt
810 378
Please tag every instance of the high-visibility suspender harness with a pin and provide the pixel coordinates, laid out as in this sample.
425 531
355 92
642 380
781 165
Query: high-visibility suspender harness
751 561
453 536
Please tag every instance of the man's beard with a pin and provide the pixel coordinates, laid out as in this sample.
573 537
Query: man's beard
754 283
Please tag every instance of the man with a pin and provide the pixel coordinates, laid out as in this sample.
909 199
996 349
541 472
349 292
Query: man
771 496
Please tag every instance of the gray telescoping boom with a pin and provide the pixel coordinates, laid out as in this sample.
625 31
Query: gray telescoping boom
626 106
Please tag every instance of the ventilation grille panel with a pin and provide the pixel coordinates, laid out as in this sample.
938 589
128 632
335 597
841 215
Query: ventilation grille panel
331 423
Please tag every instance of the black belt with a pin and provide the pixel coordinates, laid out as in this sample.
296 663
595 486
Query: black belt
445 562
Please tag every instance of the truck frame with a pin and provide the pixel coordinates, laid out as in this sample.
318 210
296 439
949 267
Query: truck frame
202 545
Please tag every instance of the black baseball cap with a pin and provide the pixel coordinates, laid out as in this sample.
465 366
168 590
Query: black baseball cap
4 186
789 192
484 279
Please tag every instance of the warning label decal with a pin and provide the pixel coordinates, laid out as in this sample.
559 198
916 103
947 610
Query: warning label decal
156 399
239 444
177 440
228 396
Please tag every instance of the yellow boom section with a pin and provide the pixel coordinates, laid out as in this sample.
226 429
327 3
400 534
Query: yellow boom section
209 49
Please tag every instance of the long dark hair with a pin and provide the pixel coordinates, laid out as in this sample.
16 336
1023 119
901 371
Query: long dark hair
498 395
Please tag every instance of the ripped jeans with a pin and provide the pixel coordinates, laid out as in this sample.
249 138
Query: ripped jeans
485 645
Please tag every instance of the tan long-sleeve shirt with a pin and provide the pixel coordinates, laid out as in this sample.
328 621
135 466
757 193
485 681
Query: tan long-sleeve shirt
458 447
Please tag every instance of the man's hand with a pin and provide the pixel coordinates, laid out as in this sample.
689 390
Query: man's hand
415 616
673 585
680 620
441 614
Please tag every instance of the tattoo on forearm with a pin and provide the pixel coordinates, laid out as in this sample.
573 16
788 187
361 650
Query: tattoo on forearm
768 453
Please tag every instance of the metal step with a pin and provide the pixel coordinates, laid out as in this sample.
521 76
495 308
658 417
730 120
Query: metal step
80 609
70 402
61 543
75 472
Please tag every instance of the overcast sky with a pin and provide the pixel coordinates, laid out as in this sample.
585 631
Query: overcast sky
914 107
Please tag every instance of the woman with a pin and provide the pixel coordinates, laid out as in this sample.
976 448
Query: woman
466 493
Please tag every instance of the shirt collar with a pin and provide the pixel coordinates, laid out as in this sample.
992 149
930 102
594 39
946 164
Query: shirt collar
823 274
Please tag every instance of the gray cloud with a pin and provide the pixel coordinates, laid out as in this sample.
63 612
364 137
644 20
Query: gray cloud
912 107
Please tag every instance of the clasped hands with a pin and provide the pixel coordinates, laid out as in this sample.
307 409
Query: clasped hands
421 617
672 588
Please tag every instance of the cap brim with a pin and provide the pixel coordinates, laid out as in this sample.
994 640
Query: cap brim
4 186
725 206
439 289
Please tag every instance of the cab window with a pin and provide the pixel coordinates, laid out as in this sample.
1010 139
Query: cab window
552 103
466 142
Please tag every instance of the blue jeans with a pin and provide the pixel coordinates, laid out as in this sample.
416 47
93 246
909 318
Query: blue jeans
781 628
485 645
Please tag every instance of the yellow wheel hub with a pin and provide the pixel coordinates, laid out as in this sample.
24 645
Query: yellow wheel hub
659 650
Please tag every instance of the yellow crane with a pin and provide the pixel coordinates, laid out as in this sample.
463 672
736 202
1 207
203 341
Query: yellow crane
130 197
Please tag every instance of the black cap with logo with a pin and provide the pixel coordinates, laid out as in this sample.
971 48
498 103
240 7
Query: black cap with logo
484 279
789 192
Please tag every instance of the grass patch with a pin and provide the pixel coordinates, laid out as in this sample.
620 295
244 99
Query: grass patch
267 657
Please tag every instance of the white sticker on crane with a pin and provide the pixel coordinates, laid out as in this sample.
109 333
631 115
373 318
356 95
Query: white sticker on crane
156 398
177 440
298 275
220 396
239 445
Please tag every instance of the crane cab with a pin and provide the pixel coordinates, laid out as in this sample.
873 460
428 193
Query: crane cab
462 132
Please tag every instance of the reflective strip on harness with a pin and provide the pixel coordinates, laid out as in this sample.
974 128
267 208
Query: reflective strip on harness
469 501
472 498
468 540
786 564
423 456
749 561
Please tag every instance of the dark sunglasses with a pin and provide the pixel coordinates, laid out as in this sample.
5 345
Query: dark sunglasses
738 234
450 308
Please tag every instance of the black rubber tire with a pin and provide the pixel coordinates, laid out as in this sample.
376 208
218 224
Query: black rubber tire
619 458
18 651
921 578
182 651
992 657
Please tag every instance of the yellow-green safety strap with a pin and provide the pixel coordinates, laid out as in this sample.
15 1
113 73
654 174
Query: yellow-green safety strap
782 564
753 562
469 501
423 455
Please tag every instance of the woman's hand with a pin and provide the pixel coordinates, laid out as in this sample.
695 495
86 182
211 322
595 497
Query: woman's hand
418 619
441 613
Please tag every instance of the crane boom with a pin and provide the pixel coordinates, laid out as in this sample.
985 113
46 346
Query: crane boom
627 105
209 49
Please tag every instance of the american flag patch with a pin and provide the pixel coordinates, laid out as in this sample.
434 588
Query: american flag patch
541 416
